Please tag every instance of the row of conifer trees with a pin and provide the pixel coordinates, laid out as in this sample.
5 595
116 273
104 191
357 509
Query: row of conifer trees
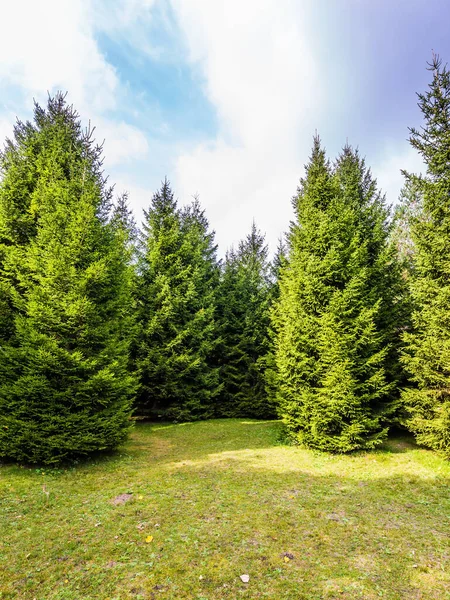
345 333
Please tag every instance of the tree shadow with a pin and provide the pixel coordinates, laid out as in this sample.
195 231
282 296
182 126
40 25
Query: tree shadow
399 441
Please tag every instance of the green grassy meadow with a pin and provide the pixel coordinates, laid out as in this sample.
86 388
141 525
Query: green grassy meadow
211 501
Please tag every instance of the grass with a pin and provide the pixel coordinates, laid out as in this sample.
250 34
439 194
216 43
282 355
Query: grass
215 500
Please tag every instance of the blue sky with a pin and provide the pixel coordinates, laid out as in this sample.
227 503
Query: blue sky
224 96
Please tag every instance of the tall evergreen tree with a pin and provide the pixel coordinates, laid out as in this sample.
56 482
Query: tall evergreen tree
18 168
278 263
126 231
427 356
332 319
408 209
124 222
201 254
64 386
178 274
243 307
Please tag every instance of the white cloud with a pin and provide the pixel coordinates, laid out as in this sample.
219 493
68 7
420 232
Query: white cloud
264 83
128 11
259 62
388 169
123 142
139 196
55 49
6 128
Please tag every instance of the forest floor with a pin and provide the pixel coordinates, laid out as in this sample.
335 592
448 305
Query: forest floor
182 511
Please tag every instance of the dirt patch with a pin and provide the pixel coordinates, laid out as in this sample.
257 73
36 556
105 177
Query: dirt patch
112 564
365 562
121 499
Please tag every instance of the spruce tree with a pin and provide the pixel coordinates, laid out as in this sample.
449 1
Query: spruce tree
64 387
18 169
427 356
278 263
408 209
332 324
243 307
178 276
124 222
201 253
126 231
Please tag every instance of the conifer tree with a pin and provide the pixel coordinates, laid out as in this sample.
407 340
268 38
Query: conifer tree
201 255
126 231
278 263
178 274
427 356
243 306
64 387
18 168
408 209
123 220
332 322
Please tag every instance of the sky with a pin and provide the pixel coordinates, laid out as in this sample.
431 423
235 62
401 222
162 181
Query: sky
224 96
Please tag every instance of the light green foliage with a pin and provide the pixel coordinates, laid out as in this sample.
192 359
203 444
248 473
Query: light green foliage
176 294
243 308
335 344
427 357
64 386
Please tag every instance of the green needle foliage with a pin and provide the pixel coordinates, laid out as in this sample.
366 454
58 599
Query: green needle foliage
176 294
125 228
427 357
124 223
408 209
279 262
65 289
243 307
334 321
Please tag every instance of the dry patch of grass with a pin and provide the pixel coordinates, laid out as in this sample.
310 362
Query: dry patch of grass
209 502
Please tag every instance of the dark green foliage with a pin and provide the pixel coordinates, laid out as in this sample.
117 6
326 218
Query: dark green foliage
334 320
277 265
177 331
64 386
407 211
427 356
243 308
125 229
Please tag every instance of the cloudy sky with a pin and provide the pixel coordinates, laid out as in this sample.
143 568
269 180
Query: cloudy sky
224 96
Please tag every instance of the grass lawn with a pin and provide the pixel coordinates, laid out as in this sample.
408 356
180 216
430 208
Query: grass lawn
215 500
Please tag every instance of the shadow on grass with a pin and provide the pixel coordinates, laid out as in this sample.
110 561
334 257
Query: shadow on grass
163 441
158 437
399 441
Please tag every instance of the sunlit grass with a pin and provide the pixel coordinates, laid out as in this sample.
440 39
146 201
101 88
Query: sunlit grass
221 499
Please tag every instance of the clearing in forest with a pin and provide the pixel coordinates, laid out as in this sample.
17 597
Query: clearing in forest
183 511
